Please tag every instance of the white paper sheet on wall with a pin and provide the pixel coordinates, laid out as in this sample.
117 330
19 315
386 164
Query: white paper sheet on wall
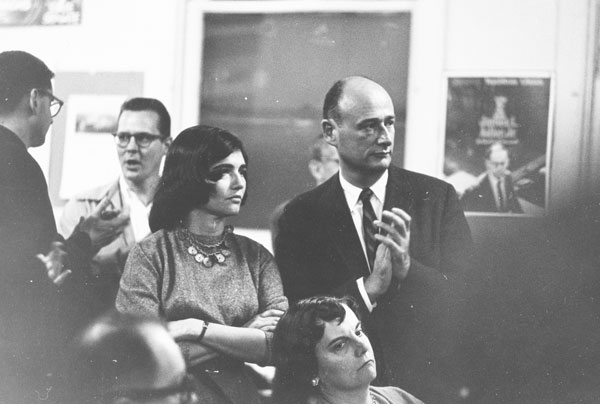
90 158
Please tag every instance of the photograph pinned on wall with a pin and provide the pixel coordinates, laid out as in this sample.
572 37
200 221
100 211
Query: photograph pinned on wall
40 12
89 152
497 141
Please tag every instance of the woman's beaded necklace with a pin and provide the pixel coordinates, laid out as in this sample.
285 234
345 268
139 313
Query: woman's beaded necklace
204 253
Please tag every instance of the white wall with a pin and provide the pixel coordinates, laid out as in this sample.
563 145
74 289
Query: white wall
501 35
130 35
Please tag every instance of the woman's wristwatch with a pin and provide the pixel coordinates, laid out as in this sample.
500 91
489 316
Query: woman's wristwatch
204 328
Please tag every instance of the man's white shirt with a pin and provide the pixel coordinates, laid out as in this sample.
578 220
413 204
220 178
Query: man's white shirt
138 212
352 194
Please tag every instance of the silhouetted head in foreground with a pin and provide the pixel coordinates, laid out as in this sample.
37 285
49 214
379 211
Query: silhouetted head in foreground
126 359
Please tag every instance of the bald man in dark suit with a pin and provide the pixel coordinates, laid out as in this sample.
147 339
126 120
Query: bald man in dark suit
395 240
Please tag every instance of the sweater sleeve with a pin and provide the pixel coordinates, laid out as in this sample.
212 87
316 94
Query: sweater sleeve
139 286
270 292
270 289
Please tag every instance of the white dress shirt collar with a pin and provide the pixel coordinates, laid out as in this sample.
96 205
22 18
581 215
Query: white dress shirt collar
352 193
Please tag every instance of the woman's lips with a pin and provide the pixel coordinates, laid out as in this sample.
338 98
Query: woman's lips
370 361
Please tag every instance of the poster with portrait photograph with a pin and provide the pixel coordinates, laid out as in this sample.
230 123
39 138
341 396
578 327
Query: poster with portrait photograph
497 138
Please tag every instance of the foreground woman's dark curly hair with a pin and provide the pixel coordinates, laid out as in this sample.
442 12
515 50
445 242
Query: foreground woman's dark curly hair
296 336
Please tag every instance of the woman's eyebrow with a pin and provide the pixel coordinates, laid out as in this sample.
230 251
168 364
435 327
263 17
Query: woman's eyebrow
333 341
227 165
224 165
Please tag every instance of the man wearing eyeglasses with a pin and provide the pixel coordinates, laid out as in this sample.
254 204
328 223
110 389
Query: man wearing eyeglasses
141 140
37 314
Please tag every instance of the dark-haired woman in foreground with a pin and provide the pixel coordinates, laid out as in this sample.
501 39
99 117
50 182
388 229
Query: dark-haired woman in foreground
220 292
323 357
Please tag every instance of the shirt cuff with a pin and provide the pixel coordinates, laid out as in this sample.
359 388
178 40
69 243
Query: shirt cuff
360 283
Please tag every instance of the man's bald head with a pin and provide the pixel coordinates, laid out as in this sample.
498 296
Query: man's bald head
359 121
342 87
121 353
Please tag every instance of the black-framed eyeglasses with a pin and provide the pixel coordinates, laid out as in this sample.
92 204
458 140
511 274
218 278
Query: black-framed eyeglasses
185 389
55 102
142 139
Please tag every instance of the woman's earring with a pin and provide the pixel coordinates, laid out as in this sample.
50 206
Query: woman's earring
315 381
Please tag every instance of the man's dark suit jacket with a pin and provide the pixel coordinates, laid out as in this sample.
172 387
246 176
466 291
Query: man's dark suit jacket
36 317
480 198
414 324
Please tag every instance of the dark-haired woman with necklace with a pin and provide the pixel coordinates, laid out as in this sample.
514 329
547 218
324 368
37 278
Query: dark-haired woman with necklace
220 292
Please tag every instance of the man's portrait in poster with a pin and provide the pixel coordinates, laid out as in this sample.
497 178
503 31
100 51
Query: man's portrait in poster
497 131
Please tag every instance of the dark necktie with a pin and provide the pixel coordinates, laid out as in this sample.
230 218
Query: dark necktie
502 202
369 229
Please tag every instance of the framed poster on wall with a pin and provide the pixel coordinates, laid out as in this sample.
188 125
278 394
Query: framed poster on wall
497 142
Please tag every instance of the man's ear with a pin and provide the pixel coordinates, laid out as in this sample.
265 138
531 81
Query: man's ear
34 100
329 129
